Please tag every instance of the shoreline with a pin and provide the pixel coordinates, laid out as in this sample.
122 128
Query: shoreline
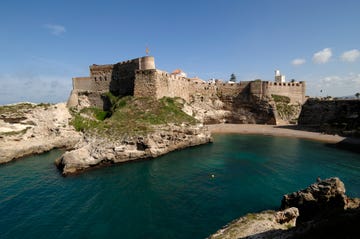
276 130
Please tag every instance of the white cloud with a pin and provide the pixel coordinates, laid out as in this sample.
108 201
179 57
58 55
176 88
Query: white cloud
322 56
298 62
34 88
335 85
350 56
56 30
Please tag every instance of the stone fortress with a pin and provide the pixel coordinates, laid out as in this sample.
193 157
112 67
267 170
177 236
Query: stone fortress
140 78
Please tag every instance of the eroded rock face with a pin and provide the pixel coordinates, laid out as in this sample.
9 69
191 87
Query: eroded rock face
267 224
329 213
332 116
320 198
35 129
94 151
243 110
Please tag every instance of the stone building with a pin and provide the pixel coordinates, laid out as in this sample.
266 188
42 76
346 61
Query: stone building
140 78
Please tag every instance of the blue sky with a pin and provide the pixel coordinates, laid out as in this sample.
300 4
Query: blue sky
43 44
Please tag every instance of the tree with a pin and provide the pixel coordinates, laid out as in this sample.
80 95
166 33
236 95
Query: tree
357 95
232 78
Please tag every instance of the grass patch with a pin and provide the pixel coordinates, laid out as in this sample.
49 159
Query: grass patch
130 116
280 99
16 108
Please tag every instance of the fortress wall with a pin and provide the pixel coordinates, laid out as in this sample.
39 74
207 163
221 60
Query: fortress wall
82 83
145 83
231 89
258 88
156 83
171 86
146 63
119 78
123 77
294 90
199 87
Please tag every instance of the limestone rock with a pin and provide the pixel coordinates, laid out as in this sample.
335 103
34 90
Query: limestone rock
265 224
287 215
319 198
330 214
37 129
229 109
94 151
331 116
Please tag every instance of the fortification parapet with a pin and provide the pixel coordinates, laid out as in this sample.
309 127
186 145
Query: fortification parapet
146 63
294 90
82 83
139 77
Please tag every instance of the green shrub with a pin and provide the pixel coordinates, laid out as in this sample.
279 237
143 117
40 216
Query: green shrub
281 98
130 115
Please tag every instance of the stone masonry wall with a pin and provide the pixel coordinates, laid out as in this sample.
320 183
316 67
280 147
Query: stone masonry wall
295 91
82 83
156 83
140 78
145 83
117 78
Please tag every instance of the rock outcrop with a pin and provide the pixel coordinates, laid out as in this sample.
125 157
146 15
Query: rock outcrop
320 211
318 200
27 129
331 116
228 109
255 225
94 151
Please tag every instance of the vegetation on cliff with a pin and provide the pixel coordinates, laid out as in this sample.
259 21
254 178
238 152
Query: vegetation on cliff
286 110
19 109
130 115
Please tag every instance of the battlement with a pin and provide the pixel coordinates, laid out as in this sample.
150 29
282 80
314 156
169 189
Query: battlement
270 83
139 77
144 63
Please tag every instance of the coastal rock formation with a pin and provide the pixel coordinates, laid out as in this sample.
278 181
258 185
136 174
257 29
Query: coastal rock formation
230 109
331 116
93 151
254 225
27 129
320 211
213 101
322 197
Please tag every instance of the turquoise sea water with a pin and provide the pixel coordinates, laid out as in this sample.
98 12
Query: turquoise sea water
174 196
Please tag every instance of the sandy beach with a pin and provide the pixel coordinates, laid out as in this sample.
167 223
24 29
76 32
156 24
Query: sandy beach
275 130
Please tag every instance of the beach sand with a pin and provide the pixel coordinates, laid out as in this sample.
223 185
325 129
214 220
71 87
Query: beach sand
275 130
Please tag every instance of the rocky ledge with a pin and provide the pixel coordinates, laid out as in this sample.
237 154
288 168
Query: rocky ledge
320 211
94 151
27 129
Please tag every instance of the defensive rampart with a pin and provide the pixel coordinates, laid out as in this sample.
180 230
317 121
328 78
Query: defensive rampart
140 78
294 90
82 83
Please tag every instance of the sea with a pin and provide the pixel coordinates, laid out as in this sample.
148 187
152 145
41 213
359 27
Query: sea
185 194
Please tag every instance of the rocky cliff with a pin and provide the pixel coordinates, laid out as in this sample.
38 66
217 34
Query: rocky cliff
332 116
243 109
216 110
94 151
322 210
27 129
137 129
